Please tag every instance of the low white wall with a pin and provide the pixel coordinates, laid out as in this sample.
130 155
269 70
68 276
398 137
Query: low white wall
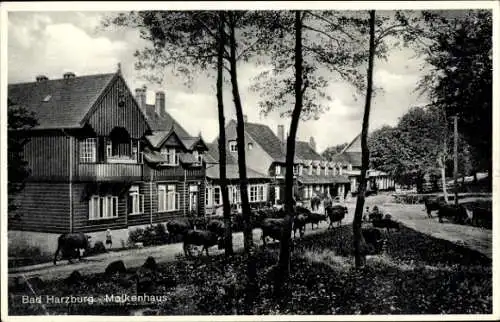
47 242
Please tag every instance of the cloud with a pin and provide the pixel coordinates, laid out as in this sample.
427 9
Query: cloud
38 46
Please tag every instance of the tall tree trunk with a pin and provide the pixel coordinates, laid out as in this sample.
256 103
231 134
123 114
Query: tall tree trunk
359 256
284 259
455 156
240 133
228 235
442 166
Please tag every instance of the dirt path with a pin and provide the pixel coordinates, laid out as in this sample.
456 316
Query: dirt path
411 216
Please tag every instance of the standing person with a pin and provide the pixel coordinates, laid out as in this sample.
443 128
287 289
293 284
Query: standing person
109 240
367 213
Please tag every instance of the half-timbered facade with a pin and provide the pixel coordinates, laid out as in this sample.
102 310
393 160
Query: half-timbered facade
266 153
258 184
99 161
350 160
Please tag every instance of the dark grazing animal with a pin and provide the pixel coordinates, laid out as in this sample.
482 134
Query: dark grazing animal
315 202
373 237
433 204
70 244
203 238
216 226
336 214
482 217
387 223
299 223
272 227
457 213
178 226
315 218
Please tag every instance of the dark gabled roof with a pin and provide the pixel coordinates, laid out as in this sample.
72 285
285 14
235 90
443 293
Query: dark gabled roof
164 122
304 151
354 158
232 172
348 146
213 154
266 138
313 179
60 103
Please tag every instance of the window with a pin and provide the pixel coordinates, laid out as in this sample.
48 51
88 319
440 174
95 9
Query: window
217 196
136 201
233 147
109 149
310 170
262 192
135 150
253 193
318 170
88 148
193 198
250 146
167 198
277 170
234 194
103 207
198 156
276 194
172 157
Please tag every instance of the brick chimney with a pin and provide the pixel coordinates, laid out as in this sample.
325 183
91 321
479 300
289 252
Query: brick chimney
281 133
69 75
41 78
312 143
160 103
140 96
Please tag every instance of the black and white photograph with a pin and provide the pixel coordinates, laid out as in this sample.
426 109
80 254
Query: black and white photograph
249 160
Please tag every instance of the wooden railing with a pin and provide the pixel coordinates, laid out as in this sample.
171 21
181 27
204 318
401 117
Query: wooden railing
107 171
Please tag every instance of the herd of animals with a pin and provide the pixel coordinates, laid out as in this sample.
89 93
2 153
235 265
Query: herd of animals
209 233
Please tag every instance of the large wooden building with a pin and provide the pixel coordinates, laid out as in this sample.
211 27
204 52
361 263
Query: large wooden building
350 160
258 183
266 154
101 159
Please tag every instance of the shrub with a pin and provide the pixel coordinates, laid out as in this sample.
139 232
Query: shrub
98 248
136 236
161 234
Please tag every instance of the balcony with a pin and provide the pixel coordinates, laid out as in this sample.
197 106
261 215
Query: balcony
109 171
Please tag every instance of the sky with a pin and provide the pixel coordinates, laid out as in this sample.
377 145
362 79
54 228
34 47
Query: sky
52 43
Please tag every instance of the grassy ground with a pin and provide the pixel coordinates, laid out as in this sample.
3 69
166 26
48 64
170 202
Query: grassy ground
417 275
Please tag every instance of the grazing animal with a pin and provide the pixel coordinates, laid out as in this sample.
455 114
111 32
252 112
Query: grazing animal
387 223
376 214
373 236
336 214
482 217
203 238
299 223
315 218
433 204
71 243
179 226
315 202
272 227
457 213
216 226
